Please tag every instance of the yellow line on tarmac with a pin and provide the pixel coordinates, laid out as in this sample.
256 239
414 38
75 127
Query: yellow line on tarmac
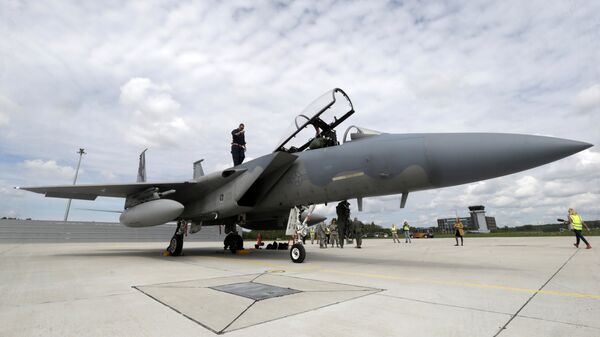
315 267
464 284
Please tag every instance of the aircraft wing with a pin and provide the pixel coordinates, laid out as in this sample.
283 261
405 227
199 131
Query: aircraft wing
91 192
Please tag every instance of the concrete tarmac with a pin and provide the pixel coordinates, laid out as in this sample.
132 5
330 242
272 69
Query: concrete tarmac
489 287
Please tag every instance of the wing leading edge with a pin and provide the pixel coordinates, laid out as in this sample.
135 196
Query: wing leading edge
91 192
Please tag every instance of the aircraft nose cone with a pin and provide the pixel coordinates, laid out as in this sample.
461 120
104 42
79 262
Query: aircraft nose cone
461 158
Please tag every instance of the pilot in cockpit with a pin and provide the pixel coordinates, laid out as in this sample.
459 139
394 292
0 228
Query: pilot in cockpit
323 139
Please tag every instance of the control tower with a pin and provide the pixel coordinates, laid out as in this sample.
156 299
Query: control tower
480 221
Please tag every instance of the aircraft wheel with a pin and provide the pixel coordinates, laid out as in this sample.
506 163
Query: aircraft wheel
297 253
235 242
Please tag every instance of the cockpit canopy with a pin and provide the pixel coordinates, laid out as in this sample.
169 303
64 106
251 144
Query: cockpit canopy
315 126
357 133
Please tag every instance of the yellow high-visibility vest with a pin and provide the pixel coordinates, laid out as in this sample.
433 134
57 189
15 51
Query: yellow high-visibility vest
406 227
394 229
576 221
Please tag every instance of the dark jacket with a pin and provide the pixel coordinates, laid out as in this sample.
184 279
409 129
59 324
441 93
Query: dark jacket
239 139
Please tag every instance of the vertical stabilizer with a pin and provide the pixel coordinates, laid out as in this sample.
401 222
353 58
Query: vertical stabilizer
198 170
141 178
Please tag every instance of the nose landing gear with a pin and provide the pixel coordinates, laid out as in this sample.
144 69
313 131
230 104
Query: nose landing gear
297 253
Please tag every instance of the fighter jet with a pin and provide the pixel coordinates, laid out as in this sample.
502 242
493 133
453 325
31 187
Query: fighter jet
311 165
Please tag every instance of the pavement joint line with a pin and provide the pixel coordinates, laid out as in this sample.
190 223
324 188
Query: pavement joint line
175 309
443 304
534 294
465 284
236 318
70 300
9 249
367 291
560 322
409 279
257 276
333 282
203 266
190 280
372 292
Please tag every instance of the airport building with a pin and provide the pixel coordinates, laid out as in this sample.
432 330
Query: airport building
477 221
446 225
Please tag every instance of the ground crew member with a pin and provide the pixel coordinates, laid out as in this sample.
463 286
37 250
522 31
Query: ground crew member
395 233
321 235
327 234
334 238
406 229
460 231
577 224
312 235
357 230
238 145
343 220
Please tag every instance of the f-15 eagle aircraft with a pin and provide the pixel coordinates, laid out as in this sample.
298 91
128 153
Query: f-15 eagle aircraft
312 165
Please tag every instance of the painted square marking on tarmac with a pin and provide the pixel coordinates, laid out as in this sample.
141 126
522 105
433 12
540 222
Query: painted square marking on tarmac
231 303
255 291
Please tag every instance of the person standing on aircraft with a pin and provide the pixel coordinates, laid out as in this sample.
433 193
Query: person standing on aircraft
406 230
394 231
576 222
460 231
238 145
312 235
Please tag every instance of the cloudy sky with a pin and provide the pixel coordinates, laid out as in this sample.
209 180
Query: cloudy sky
116 77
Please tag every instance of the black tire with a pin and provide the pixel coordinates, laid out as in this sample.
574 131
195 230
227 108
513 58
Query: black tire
235 242
240 242
227 242
297 253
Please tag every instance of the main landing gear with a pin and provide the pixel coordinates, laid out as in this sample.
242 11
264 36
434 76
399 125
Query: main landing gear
233 241
176 244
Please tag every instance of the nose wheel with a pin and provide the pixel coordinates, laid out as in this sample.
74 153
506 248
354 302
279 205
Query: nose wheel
297 253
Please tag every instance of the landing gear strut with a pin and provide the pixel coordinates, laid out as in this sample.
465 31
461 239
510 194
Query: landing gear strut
297 230
176 244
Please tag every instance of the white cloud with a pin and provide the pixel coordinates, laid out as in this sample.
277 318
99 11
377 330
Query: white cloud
6 108
4 119
49 169
589 99
154 114
116 78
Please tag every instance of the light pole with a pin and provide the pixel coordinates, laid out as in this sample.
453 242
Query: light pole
81 153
